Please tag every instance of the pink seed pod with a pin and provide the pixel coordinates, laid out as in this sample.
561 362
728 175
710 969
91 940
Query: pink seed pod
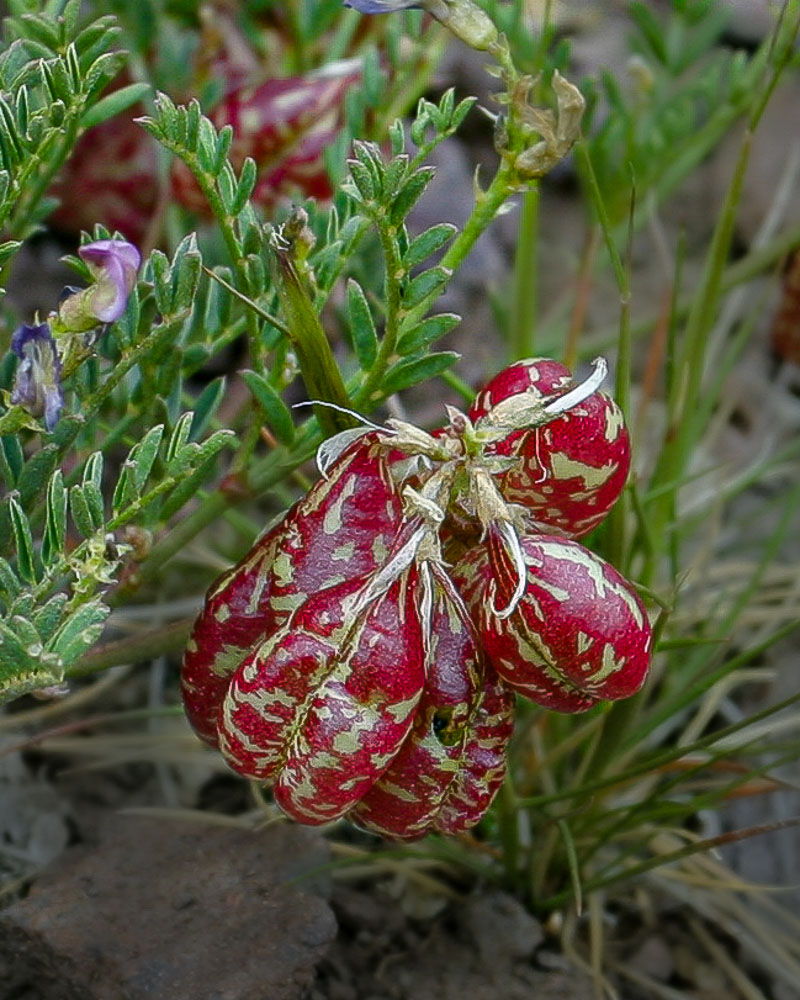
579 633
321 708
571 469
542 375
342 528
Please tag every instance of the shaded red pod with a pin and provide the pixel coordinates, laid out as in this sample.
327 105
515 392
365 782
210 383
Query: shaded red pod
484 762
579 633
453 761
405 801
231 621
321 708
285 125
571 469
343 527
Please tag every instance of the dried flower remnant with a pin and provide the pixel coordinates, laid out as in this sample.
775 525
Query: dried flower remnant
558 131
113 265
37 386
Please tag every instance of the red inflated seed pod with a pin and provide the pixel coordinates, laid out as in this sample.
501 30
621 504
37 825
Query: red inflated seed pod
321 708
231 621
483 764
578 634
542 375
453 761
570 470
342 528
406 800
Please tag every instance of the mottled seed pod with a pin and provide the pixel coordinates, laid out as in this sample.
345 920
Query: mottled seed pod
483 764
405 801
540 375
579 633
572 469
321 708
342 528
231 621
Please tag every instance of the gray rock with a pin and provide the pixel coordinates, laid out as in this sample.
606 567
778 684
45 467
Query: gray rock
162 909
500 925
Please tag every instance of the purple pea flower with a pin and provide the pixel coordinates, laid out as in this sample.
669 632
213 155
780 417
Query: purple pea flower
113 264
380 6
37 385
464 18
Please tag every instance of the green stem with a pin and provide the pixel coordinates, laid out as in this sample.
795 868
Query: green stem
526 278
754 264
318 366
487 204
133 649
370 393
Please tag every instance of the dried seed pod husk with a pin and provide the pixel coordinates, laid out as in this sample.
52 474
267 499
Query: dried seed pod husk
570 470
579 634
343 528
321 708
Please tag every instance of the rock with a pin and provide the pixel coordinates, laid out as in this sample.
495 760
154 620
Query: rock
653 958
162 909
500 925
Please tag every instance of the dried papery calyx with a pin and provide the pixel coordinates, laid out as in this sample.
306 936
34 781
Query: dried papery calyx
343 527
579 635
321 709
570 443
406 800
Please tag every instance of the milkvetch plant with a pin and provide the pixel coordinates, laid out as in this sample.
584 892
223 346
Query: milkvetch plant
372 647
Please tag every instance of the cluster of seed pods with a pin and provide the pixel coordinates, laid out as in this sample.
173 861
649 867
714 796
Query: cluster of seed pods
363 658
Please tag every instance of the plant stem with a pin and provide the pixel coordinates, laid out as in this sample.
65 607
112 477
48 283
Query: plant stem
370 391
526 278
136 648
487 204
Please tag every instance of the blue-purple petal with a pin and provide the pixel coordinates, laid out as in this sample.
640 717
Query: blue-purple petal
37 384
380 6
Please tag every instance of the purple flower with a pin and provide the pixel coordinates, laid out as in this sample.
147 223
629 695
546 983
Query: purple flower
37 385
464 18
113 264
380 6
